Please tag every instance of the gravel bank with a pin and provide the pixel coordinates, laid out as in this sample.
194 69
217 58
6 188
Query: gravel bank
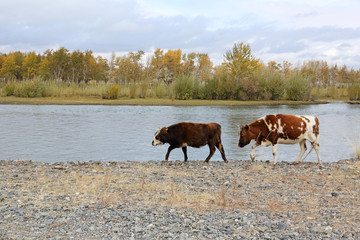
176 200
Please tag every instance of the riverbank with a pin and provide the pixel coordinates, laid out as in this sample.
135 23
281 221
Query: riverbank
176 200
143 101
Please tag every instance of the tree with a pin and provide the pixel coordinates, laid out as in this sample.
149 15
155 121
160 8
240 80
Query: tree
156 65
31 65
59 61
8 69
274 66
189 63
102 67
240 62
129 67
44 70
76 65
204 67
172 65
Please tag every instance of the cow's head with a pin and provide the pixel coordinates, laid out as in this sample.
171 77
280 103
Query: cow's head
244 135
160 136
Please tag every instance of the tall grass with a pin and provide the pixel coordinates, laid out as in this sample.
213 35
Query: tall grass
263 86
37 88
354 91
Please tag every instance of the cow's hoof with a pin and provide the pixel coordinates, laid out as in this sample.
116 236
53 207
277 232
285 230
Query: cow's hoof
294 163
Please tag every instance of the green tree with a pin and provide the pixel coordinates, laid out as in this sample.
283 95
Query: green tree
241 64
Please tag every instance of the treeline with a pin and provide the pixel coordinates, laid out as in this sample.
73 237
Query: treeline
173 74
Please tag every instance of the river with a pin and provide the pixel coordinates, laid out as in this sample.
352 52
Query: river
55 133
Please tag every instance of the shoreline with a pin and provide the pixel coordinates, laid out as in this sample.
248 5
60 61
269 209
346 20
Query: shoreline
177 200
145 102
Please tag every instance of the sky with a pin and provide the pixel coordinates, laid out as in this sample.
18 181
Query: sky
276 30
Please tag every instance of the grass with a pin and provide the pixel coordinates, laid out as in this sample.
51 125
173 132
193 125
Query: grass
142 101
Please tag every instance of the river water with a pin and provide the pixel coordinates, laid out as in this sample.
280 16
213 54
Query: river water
51 133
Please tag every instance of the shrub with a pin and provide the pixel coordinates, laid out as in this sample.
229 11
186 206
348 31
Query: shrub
183 87
160 91
250 87
132 90
9 89
210 89
111 91
354 91
272 86
143 90
30 89
298 87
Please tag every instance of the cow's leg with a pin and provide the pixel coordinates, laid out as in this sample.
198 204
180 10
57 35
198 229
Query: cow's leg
184 149
252 153
222 151
317 150
302 151
168 152
212 150
274 149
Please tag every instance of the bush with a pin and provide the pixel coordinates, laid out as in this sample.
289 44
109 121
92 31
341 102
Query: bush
354 91
298 87
183 87
132 90
160 91
30 89
210 89
111 92
143 90
250 87
272 86
9 89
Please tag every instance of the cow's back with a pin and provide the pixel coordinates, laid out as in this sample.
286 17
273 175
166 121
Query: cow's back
293 128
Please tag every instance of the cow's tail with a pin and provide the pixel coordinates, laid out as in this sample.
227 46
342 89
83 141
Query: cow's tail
312 147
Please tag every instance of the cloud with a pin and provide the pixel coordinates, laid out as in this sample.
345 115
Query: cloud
276 30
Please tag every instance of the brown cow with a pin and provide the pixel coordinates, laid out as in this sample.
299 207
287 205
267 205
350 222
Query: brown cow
185 134
281 128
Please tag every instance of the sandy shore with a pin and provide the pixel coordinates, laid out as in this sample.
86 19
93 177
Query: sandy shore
176 200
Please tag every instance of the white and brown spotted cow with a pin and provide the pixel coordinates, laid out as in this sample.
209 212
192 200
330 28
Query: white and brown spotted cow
281 128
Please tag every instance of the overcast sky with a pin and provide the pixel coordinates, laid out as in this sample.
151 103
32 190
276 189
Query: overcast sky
291 30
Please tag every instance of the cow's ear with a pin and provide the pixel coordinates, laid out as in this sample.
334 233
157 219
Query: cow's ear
246 127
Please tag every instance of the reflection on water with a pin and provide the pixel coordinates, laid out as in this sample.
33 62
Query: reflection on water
121 133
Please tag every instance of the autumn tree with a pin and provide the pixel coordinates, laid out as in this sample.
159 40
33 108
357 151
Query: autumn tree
102 67
156 65
76 65
129 67
172 65
59 61
8 70
189 61
240 63
204 67
31 65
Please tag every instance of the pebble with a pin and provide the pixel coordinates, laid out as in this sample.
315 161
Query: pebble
61 215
